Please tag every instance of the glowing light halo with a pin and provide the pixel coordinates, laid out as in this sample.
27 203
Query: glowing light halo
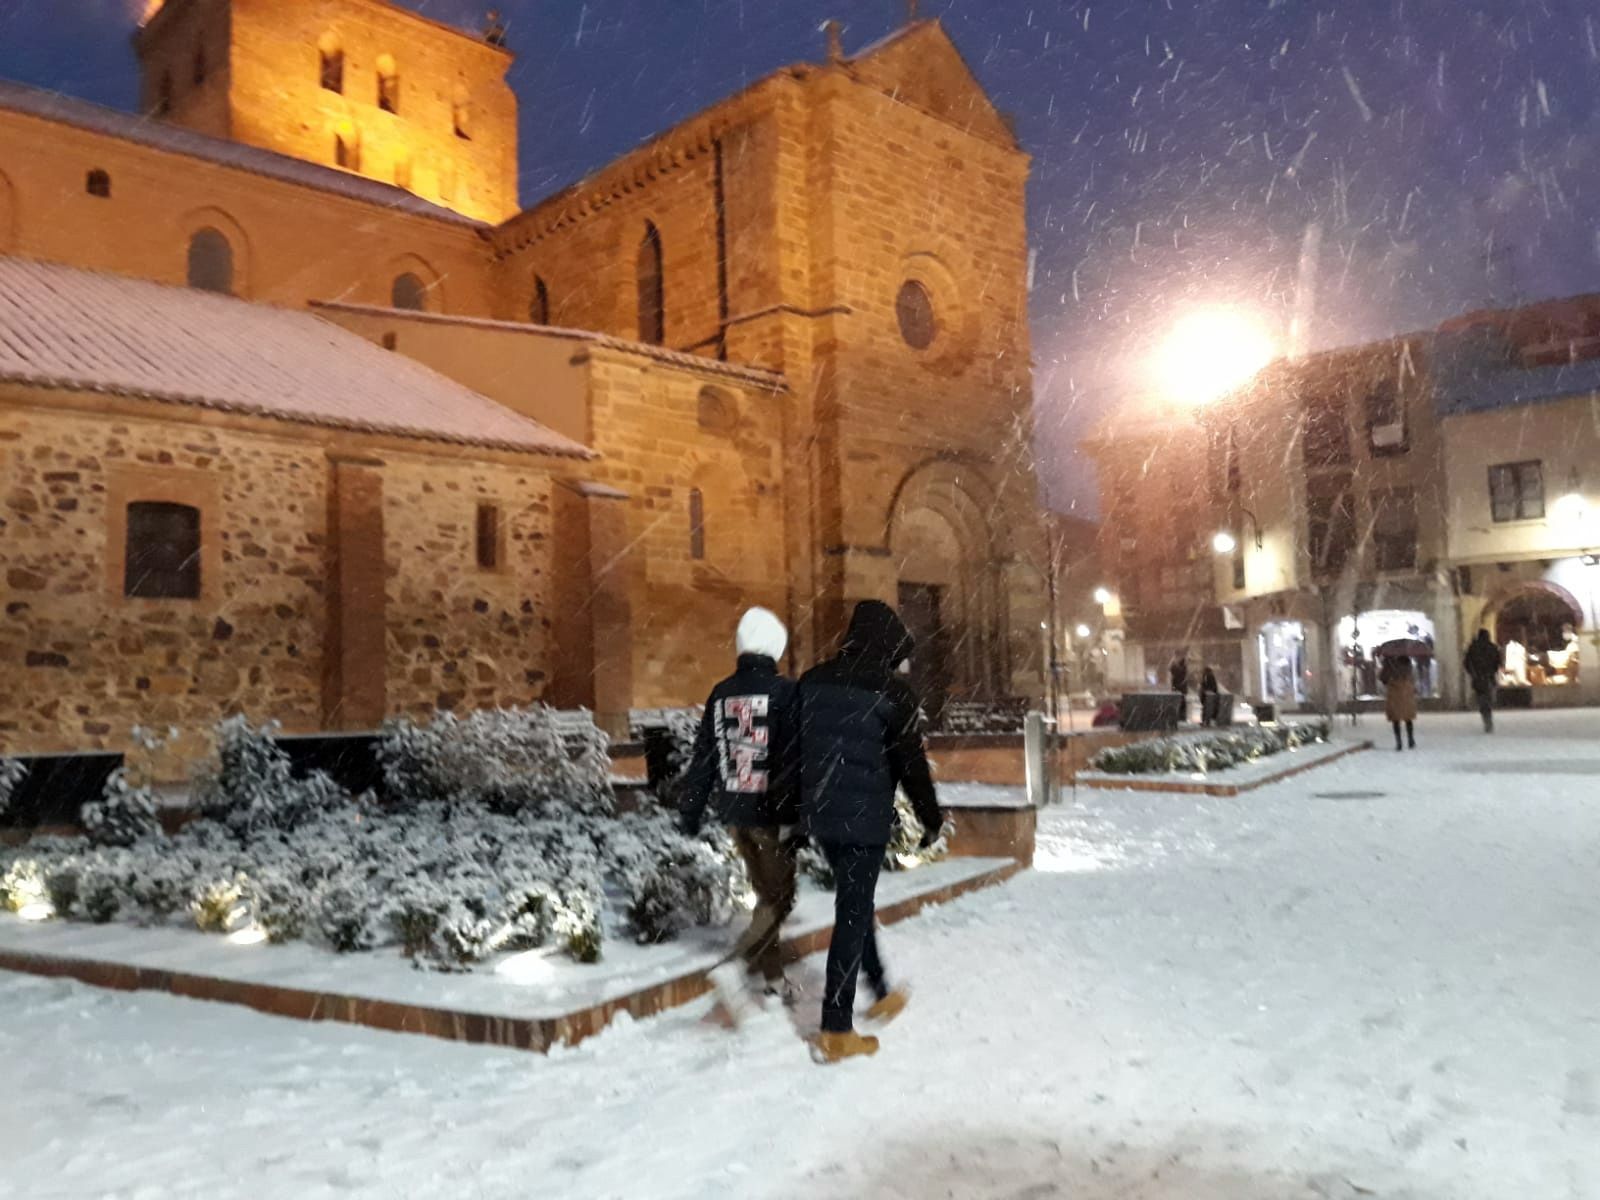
1211 352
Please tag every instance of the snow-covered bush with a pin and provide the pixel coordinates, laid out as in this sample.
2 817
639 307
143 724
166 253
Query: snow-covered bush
11 772
503 760
254 789
1203 753
22 884
903 853
124 813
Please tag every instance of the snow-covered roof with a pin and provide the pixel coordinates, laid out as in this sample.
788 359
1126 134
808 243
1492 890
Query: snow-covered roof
61 327
159 135
758 377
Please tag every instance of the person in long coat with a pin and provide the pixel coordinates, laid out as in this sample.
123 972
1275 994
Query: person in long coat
1482 663
1399 679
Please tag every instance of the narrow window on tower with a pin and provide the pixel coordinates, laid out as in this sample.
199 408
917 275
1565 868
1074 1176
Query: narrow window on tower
388 84
163 104
199 74
332 54
461 113
539 303
347 147
652 289
488 532
98 183
697 524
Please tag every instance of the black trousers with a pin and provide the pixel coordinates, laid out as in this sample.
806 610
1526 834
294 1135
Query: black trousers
1486 707
854 947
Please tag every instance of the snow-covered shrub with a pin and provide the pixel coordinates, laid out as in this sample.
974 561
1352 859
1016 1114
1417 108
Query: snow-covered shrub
503 760
100 895
1203 753
253 787
345 915
62 885
11 772
124 813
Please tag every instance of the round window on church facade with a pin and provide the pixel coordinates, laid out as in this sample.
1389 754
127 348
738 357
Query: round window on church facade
913 307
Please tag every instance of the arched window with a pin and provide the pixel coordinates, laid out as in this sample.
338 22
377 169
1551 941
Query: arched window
409 293
388 84
199 75
652 292
161 559
211 261
539 303
98 183
716 411
347 146
461 112
697 524
913 308
331 52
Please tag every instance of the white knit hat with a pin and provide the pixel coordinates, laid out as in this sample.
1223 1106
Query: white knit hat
760 632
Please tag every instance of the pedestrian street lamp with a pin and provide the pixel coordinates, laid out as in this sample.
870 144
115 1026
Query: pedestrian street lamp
1223 541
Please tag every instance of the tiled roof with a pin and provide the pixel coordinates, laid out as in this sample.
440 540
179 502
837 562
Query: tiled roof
52 106
65 328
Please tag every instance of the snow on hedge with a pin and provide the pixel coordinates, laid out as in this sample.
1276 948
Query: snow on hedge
1203 753
499 833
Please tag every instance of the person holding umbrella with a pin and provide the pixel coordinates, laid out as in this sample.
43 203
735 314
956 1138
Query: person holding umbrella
1399 679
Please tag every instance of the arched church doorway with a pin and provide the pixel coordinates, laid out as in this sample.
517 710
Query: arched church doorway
948 589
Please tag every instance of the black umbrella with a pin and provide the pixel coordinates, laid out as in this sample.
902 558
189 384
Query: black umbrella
1404 648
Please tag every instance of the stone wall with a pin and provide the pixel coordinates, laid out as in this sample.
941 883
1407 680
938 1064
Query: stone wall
93 663
291 243
268 80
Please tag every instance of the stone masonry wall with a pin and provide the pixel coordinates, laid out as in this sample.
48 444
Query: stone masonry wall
91 663
463 637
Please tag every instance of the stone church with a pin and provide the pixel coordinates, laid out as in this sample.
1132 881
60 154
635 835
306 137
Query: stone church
302 415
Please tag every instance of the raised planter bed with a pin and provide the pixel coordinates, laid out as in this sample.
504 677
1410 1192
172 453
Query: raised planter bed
562 1005
1231 782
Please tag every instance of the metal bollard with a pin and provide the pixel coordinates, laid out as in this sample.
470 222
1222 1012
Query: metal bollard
1036 731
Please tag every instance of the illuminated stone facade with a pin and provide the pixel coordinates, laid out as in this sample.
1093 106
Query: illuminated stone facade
792 328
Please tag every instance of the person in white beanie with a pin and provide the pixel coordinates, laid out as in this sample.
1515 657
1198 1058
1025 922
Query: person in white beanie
747 762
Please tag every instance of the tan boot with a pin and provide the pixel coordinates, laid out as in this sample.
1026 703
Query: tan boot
836 1047
887 1009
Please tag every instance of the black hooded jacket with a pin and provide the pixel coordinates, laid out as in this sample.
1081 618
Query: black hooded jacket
1483 661
860 736
746 754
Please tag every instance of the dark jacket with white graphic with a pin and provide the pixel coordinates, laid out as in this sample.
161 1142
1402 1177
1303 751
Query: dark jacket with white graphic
861 735
746 754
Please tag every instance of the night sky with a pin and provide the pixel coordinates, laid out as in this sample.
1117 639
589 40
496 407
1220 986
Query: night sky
1445 151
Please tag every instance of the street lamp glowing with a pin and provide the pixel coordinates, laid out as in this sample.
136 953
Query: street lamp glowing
1211 352
1571 507
1102 595
1084 631
1224 542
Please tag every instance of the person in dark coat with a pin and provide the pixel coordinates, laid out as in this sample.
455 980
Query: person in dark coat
1210 697
860 740
1399 679
747 761
1178 671
1482 664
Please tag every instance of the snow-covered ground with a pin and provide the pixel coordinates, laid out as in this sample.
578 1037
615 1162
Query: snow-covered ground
1275 996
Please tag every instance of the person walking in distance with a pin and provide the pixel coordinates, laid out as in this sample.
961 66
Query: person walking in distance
1482 664
1399 679
746 759
860 740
